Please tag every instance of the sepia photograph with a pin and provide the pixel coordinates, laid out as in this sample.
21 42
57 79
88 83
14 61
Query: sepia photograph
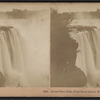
75 45
49 49
24 45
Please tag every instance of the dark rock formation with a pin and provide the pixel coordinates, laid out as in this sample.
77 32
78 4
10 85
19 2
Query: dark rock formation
2 80
64 73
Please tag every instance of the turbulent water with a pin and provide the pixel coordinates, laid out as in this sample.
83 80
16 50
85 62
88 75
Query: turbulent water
24 51
12 58
87 35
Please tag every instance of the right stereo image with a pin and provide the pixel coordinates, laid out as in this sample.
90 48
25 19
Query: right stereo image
75 46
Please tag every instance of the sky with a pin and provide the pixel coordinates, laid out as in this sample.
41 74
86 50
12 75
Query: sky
76 7
61 7
22 6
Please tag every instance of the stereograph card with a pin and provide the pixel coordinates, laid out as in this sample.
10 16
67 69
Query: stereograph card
50 49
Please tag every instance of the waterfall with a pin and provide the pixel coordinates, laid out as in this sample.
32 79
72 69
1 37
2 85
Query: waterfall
14 58
88 53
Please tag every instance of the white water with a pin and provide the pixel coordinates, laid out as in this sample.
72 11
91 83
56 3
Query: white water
88 55
30 44
87 22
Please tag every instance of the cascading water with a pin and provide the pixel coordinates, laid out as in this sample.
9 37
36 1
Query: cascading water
13 57
88 52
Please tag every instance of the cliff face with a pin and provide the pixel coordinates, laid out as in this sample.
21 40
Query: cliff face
64 73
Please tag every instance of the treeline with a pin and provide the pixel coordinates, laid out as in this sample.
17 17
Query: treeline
18 14
86 15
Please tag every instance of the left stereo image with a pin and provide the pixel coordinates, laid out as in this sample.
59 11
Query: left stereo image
24 45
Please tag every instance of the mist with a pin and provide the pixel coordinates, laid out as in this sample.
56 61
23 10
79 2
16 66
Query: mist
84 19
